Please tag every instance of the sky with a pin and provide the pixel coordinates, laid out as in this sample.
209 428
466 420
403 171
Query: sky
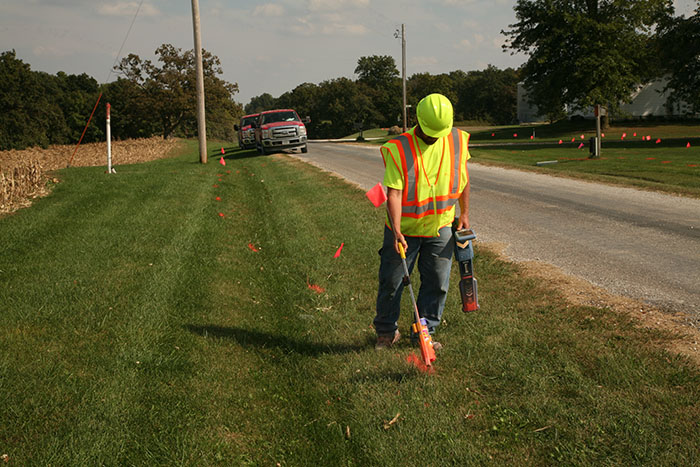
264 46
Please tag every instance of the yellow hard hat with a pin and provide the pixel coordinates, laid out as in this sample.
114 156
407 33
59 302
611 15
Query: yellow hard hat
435 114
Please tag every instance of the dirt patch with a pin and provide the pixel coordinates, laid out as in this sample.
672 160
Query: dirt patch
581 292
25 175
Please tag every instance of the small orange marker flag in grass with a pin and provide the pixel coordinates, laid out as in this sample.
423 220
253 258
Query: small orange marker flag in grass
222 151
580 145
337 253
218 198
560 141
252 247
658 141
221 214
515 135
222 161
687 145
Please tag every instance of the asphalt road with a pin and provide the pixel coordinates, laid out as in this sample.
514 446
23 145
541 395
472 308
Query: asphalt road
633 243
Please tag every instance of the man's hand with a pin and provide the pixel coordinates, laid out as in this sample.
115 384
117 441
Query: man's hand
400 239
463 222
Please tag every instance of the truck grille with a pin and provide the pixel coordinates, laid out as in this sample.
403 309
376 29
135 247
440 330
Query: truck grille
284 132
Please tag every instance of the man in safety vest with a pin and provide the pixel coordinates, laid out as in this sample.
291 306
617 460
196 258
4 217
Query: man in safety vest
426 174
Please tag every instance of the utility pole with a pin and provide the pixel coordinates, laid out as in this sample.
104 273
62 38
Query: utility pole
201 116
403 72
598 133
403 69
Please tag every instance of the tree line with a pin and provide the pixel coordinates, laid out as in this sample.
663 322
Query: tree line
147 99
340 106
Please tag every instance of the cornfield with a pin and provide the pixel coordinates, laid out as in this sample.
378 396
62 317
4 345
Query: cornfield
25 175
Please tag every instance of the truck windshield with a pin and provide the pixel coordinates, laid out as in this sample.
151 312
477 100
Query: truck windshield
289 116
247 121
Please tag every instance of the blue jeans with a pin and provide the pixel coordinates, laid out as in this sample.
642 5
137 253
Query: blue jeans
434 256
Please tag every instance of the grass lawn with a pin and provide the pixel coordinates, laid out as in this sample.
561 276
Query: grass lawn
185 314
660 167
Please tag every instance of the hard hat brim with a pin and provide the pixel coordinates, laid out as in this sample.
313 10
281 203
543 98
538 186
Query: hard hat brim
432 133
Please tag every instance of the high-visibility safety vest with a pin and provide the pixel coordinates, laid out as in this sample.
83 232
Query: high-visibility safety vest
432 178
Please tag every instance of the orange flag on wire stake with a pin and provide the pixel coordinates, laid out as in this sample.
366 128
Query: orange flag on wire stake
222 151
222 161
377 195
337 253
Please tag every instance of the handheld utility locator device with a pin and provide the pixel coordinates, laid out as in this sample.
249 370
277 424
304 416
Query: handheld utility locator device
464 253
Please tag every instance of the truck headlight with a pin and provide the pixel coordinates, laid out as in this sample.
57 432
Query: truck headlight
302 130
266 134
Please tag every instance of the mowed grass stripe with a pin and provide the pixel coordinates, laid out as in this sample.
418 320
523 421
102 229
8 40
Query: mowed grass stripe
183 346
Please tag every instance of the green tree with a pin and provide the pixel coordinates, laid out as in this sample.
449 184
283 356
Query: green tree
342 103
260 103
586 52
379 80
420 85
683 62
27 115
76 95
169 92
132 117
490 95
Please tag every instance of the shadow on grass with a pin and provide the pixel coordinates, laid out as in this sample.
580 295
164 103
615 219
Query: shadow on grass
257 339
234 152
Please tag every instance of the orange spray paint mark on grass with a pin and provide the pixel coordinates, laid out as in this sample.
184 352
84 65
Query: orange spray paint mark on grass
314 287
416 361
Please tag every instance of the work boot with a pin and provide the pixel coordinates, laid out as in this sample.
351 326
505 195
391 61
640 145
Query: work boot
387 340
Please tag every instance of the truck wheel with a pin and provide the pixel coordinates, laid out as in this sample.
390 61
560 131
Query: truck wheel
304 149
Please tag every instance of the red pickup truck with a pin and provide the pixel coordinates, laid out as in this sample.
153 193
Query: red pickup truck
246 132
280 129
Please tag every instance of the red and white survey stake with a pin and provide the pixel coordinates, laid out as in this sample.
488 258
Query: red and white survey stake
109 141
